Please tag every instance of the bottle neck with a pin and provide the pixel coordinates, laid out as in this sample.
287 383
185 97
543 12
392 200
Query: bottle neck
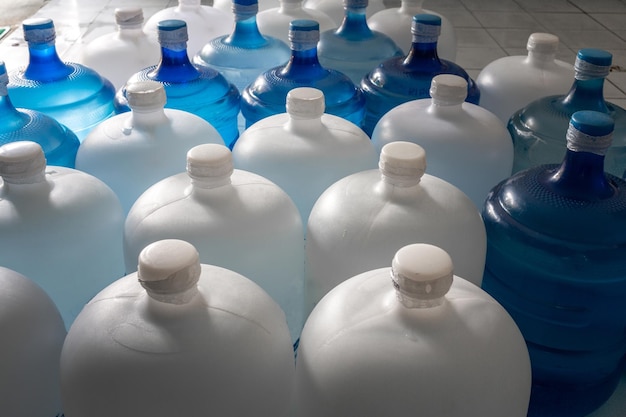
587 95
354 25
411 7
540 59
146 119
246 34
129 31
305 127
304 64
44 63
174 67
581 176
422 55
12 119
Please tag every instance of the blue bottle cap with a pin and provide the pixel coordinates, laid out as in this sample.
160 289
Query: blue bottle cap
171 24
246 2
595 56
427 19
37 24
592 123
39 30
304 25
172 34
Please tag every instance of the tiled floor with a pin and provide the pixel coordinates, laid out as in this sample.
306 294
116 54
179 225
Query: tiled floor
486 30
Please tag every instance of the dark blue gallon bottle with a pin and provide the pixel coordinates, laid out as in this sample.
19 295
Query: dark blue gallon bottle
538 129
405 78
199 90
267 95
556 251
59 143
75 95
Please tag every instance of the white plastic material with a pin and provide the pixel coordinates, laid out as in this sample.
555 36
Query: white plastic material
335 8
396 22
364 353
203 22
131 353
131 151
466 145
60 227
362 220
118 55
32 336
304 151
275 21
236 219
510 83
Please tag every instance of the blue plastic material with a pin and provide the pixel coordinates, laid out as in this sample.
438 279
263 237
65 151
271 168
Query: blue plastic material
538 130
401 79
354 48
75 95
555 261
198 90
245 53
267 95
59 143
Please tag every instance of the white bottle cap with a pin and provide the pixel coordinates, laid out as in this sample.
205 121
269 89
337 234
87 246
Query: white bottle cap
545 43
402 163
209 165
22 162
169 270
448 89
305 103
129 16
422 274
145 95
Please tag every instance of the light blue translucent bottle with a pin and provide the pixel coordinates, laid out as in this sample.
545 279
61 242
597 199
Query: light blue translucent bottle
245 53
406 78
75 95
59 143
267 95
555 260
538 130
354 48
201 91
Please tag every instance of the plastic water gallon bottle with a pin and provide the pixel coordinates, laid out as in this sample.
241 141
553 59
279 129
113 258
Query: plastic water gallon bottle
304 150
396 22
32 338
466 145
120 54
401 79
132 151
60 227
75 95
58 142
236 219
354 48
334 8
201 91
555 261
510 83
267 94
275 21
539 129
360 221
203 22
246 53
178 338
411 340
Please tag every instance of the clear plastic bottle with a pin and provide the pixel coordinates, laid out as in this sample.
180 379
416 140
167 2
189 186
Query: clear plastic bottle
555 261
75 95
396 22
304 150
353 48
236 219
411 340
334 8
539 129
401 79
32 337
198 90
466 144
275 21
56 223
267 94
58 142
178 338
203 22
510 83
244 54
132 151
129 47
360 221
